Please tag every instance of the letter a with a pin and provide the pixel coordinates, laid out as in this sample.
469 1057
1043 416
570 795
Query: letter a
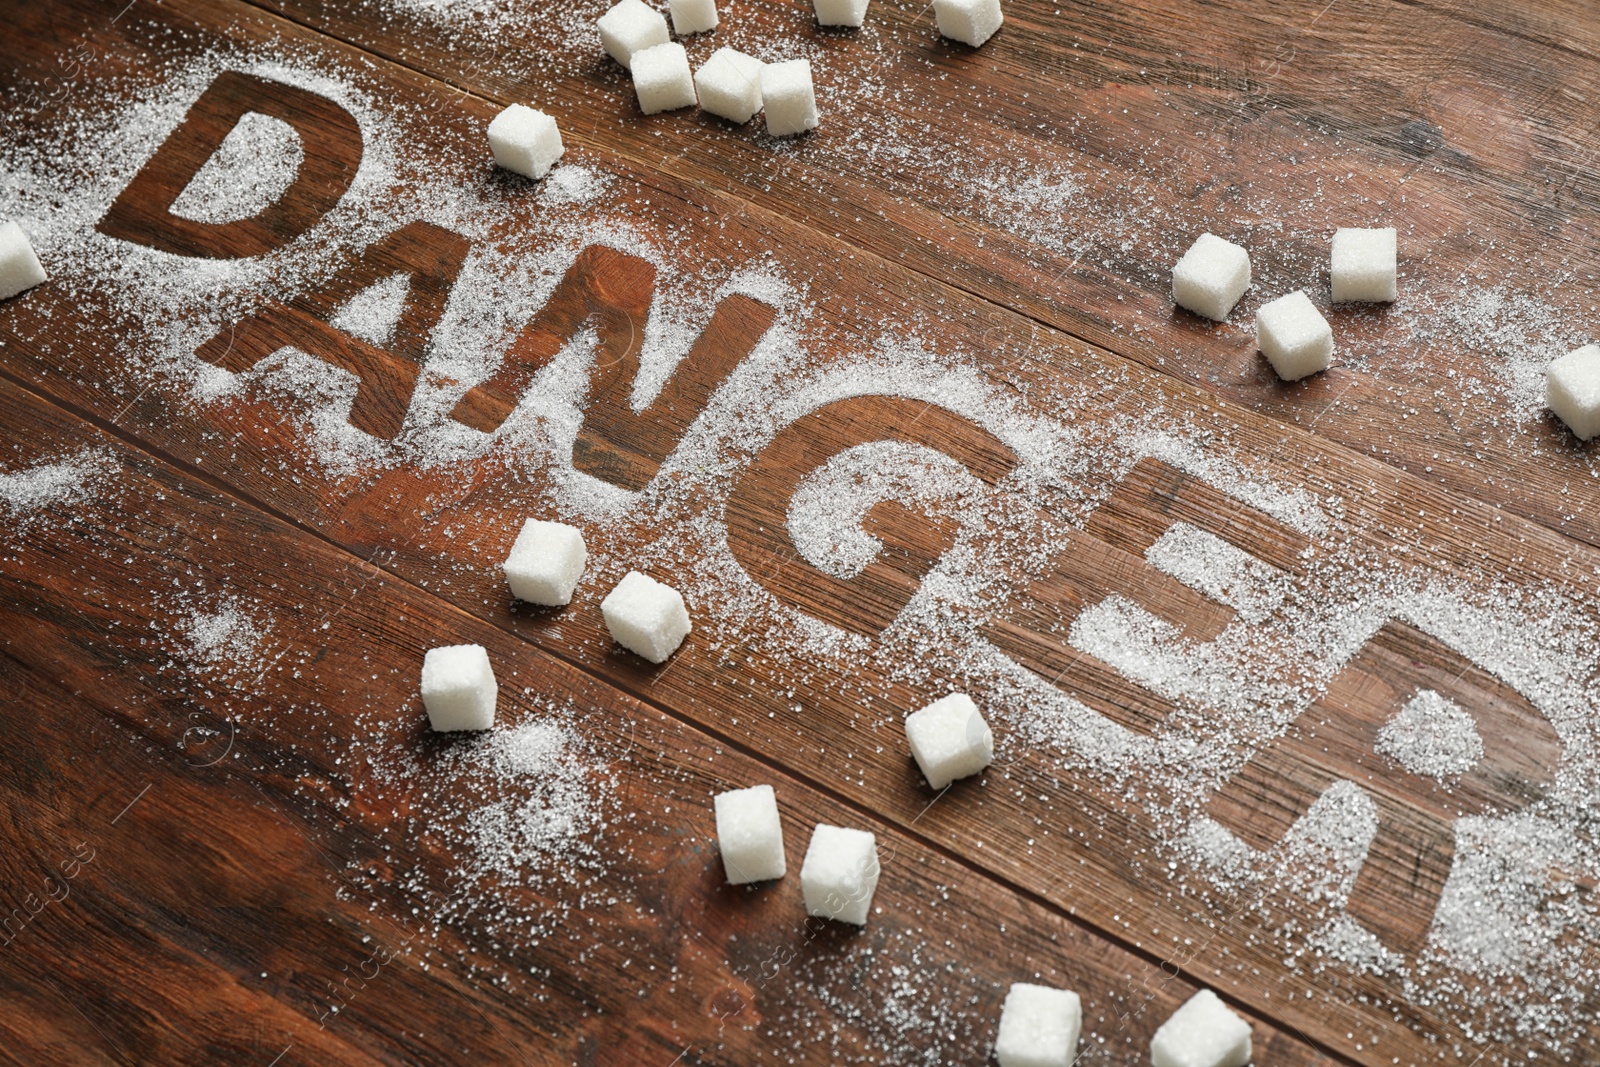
432 256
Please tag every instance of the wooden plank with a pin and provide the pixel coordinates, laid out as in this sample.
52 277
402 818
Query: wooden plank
237 844
828 719
1072 161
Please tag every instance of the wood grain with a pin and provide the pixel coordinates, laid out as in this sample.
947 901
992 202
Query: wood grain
252 867
331 144
444 532
1275 124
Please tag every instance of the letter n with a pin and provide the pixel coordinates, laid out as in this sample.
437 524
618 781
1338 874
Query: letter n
430 254
329 137
613 290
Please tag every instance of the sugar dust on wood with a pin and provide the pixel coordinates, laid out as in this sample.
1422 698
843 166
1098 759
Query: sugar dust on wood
524 810
68 482
531 799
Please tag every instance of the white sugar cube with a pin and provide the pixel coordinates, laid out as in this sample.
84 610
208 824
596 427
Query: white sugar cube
662 79
788 97
1211 277
1572 390
969 21
1038 1027
840 12
949 739
840 874
750 835
525 141
1202 1033
631 26
19 267
458 687
646 616
729 85
545 562
1364 264
692 16
1294 336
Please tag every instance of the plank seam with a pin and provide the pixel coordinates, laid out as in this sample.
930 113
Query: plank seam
825 790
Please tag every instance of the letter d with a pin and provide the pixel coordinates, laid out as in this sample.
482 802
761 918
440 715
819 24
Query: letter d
329 136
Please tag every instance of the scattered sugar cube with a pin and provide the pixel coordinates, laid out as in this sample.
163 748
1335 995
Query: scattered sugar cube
545 562
1038 1027
787 96
1211 277
1202 1033
1364 264
1294 336
525 141
969 21
458 687
750 835
631 26
646 617
840 12
949 739
840 874
661 78
1572 390
19 267
729 85
692 16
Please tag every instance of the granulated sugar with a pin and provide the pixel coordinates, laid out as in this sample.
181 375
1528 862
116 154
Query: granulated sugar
1518 333
66 483
222 635
249 171
520 813
554 807
575 184
1222 571
523 810
830 504
222 640
1433 736
374 312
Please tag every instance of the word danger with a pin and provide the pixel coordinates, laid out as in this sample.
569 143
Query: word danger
1339 739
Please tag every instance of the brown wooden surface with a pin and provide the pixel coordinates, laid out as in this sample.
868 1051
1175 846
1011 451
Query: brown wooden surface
229 897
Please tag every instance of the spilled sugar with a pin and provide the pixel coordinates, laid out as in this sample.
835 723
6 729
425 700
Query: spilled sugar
552 809
830 506
1433 736
221 635
1222 571
255 164
374 312
574 183
66 482
533 800
1520 334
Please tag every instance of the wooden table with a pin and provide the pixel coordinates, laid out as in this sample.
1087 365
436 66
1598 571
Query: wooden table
229 836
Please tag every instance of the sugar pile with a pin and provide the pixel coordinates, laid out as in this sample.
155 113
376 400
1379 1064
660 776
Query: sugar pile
549 818
222 635
575 184
1433 736
67 483
374 312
